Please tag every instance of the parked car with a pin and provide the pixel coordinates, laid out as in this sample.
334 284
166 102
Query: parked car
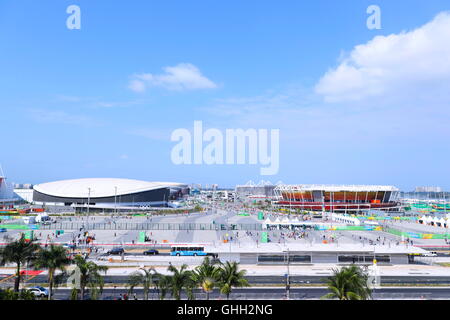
39 291
151 252
3 230
116 251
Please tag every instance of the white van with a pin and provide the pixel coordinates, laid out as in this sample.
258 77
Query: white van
29 220
42 217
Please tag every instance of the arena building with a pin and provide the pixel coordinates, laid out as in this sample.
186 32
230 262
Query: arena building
107 193
262 190
343 198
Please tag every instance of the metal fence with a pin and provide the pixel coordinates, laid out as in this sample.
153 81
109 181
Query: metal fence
401 296
150 226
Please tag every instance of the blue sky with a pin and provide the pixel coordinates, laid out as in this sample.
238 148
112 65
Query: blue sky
353 105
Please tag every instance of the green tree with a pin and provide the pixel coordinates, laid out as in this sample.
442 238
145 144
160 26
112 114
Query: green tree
143 276
181 279
206 276
74 294
26 295
349 283
231 277
89 276
19 252
162 284
9 294
54 258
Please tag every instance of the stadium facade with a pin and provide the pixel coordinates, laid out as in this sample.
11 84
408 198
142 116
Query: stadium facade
6 191
337 198
107 193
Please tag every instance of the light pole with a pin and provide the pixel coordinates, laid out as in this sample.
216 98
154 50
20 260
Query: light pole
115 200
288 281
89 200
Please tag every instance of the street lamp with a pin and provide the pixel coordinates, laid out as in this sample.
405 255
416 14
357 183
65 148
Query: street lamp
288 280
115 200
89 200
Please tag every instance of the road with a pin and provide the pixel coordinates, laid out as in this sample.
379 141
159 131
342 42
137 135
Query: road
280 280
280 293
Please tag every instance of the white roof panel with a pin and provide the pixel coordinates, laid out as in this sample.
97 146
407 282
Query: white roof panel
99 187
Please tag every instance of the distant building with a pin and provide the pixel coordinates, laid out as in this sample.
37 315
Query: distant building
23 186
428 189
264 189
24 194
6 191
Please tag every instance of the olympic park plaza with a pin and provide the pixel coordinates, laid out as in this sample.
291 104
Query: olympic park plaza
223 229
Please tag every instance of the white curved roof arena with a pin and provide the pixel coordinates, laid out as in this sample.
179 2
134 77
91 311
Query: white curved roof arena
99 187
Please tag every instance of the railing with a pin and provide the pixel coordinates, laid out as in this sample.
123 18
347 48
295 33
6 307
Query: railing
149 226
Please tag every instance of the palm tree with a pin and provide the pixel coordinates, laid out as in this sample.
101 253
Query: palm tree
52 259
18 252
26 295
89 276
179 280
146 278
349 283
162 283
206 275
230 277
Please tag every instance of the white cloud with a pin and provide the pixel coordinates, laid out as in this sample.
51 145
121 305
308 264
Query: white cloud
183 76
409 65
137 85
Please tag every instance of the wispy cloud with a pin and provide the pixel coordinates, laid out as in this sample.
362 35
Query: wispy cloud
118 104
98 102
61 117
183 76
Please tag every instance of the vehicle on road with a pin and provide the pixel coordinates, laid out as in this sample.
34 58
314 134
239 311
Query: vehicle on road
3 230
39 291
116 251
188 251
150 252
69 246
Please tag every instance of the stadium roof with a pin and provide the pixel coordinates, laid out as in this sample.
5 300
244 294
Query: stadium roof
99 187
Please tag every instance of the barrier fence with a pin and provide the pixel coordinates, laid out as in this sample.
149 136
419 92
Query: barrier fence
149 226
417 235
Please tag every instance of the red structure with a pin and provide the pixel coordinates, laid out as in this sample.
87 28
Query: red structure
337 198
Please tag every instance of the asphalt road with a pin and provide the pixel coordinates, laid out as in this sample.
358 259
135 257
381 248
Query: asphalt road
280 293
301 280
